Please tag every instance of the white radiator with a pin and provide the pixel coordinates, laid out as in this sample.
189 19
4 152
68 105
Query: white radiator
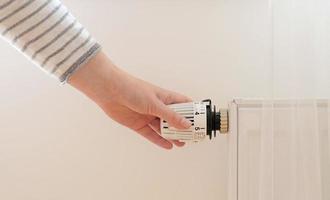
279 150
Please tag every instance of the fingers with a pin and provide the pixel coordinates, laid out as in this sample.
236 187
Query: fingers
164 112
173 97
174 119
154 137
155 125
178 143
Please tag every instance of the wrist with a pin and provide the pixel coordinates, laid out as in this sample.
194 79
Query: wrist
96 79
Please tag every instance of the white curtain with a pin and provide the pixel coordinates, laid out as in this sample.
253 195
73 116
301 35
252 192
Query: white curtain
294 132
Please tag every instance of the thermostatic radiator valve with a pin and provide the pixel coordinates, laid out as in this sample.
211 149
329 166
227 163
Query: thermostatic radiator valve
205 122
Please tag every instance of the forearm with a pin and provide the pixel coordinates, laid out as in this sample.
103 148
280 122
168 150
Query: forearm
47 33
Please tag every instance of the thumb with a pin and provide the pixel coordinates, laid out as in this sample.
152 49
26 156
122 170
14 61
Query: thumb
174 119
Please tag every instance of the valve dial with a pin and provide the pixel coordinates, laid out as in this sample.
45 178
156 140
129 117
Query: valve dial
203 120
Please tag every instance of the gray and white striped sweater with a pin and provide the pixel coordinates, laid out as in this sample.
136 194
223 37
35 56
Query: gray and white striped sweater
47 33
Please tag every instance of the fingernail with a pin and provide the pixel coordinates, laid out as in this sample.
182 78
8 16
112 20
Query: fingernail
185 123
167 145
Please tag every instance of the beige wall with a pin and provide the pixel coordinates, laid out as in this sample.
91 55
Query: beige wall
56 144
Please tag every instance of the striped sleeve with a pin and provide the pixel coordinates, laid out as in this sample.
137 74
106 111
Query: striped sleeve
47 33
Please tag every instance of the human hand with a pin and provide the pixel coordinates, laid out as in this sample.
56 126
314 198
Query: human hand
128 100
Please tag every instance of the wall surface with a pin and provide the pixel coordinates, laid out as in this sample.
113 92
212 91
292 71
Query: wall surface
57 144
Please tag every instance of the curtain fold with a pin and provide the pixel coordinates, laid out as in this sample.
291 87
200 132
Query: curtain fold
294 133
292 165
285 153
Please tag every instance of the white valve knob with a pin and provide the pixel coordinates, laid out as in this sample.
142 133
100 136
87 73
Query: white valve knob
204 121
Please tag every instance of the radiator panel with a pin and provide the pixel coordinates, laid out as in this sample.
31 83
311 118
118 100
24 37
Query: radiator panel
282 149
